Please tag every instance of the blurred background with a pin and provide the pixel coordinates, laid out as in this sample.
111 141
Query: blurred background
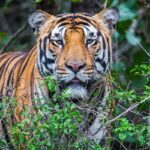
131 51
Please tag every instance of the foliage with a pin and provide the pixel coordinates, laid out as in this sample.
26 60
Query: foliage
125 129
127 132
53 126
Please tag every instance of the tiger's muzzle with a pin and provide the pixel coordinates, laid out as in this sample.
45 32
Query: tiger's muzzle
77 81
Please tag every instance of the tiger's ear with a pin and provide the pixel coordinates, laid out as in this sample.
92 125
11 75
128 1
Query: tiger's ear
109 17
37 19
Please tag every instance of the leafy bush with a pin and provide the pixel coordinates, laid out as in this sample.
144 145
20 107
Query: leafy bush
131 114
52 126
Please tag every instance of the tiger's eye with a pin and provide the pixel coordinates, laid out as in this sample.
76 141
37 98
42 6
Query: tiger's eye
90 41
59 42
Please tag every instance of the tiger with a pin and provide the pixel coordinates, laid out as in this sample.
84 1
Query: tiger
74 48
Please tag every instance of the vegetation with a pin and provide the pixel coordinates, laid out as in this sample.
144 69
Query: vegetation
130 122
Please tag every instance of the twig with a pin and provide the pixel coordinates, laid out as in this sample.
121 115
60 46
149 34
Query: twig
139 44
119 142
16 34
105 4
127 110
136 113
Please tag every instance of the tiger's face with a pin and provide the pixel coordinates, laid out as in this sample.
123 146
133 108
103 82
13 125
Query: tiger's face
74 48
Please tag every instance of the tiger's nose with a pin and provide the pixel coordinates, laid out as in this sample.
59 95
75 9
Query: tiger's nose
75 66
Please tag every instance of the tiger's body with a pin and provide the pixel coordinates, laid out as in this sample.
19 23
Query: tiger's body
75 49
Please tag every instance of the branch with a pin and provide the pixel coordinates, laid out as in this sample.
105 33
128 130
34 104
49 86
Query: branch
128 110
18 32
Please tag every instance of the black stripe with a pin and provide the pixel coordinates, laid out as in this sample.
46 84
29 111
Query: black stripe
63 14
63 19
83 23
82 17
63 24
49 36
14 67
7 63
44 43
41 50
72 16
104 45
32 83
41 71
50 71
95 43
49 61
54 55
77 23
2 88
87 28
40 68
53 43
99 34
22 70
4 55
109 49
102 62
10 78
2 70
103 40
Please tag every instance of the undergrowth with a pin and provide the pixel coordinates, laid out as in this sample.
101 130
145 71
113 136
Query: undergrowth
53 124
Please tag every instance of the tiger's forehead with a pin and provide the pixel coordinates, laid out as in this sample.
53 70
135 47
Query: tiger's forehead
75 19
73 14
75 28
63 22
70 20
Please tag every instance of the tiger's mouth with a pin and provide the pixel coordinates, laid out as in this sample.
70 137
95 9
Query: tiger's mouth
76 88
75 81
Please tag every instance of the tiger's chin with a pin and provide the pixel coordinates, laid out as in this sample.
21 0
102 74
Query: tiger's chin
77 91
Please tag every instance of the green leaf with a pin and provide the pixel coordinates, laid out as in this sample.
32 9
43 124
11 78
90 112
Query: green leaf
2 143
125 12
122 136
142 140
146 117
76 1
114 3
4 37
38 1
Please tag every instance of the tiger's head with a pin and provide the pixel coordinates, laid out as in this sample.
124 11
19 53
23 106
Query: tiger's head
74 48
